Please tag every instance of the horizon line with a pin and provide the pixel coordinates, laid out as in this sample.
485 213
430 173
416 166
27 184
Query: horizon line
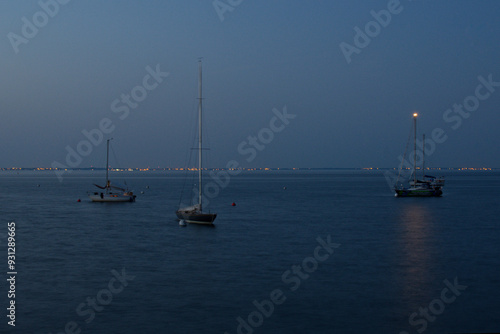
131 169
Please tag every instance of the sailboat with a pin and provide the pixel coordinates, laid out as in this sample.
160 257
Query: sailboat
428 186
194 214
111 193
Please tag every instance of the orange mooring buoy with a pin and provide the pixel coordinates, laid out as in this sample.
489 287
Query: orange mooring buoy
234 204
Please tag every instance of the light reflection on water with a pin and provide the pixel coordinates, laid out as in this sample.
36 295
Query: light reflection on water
417 249
395 253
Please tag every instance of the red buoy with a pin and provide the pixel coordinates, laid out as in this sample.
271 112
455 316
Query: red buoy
79 201
234 204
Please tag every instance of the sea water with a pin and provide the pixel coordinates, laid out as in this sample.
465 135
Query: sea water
300 252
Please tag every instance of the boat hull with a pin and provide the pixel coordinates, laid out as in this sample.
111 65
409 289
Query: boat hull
197 217
419 192
112 198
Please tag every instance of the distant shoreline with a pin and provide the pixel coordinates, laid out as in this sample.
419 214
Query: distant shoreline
146 169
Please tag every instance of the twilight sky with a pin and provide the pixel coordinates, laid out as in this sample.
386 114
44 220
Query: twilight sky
352 73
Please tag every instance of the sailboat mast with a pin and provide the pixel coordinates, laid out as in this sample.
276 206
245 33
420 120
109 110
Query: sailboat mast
415 148
107 163
423 156
199 135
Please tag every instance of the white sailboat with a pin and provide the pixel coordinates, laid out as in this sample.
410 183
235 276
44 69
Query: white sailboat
111 193
194 214
429 186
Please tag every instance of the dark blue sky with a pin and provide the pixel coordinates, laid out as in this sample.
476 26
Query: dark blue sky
63 78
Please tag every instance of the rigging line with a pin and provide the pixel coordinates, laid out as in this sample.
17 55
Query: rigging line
118 164
114 156
193 134
185 178
404 155
187 163
207 139
189 152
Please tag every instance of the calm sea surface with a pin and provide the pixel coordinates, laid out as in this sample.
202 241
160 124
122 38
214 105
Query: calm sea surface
334 252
